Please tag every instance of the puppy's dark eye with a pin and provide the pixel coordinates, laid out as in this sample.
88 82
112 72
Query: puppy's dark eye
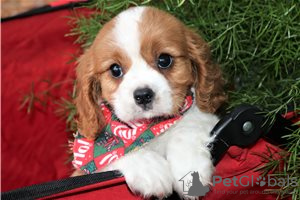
116 70
164 61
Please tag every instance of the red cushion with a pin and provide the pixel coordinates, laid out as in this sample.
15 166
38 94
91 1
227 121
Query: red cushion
242 164
34 146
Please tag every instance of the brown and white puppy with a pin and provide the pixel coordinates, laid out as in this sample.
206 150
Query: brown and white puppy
147 50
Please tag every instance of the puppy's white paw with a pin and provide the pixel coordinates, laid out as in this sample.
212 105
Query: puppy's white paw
146 173
191 169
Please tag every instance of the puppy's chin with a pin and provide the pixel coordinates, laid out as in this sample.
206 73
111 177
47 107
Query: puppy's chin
131 112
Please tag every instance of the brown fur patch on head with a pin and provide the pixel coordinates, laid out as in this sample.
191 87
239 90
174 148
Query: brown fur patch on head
208 80
192 65
95 82
89 117
163 33
106 57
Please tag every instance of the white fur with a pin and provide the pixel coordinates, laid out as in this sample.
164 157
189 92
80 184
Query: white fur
155 169
126 31
140 75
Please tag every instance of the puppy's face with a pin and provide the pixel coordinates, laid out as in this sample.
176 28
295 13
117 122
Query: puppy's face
143 63
145 71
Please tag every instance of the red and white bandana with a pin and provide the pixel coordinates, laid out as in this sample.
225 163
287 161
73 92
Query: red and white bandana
118 138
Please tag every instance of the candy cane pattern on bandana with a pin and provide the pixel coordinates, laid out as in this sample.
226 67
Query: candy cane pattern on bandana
118 138
128 134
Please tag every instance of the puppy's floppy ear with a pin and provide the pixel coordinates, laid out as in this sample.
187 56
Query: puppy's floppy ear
207 75
90 118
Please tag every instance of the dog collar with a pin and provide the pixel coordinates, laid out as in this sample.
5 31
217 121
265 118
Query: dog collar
118 138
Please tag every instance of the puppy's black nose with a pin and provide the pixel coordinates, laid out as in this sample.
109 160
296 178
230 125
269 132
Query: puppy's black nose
143 96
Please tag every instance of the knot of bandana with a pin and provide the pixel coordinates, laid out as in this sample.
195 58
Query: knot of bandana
118 138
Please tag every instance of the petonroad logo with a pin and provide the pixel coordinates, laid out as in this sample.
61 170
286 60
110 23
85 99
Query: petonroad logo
245 181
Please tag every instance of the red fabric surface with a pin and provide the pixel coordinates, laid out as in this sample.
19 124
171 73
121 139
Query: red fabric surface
63 2
113 189
33 146
239 162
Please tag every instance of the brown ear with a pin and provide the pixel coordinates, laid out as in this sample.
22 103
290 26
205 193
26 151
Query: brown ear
90 118
208 77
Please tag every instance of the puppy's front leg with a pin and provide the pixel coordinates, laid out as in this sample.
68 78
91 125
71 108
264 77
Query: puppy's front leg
146 173
187 152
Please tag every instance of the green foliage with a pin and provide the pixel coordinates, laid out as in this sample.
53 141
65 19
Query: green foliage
284 163
30 98
67 110
256 43
65 107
